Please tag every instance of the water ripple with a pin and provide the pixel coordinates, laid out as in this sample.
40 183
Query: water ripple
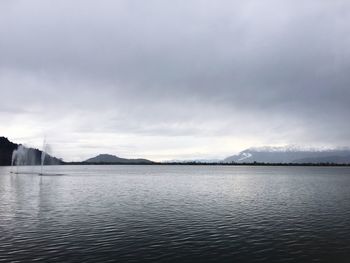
177 214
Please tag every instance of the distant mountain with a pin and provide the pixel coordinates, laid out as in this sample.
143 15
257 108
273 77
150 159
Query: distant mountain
112 159
290 155
30 156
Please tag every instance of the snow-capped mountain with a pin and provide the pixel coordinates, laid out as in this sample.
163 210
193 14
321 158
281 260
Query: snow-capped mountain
290 154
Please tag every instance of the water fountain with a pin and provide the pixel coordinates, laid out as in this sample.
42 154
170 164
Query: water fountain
23 156
45 149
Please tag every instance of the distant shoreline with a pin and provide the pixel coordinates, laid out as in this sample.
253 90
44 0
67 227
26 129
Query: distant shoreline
32 156
215 164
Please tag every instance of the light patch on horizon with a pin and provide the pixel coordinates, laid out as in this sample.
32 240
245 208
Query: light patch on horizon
180 80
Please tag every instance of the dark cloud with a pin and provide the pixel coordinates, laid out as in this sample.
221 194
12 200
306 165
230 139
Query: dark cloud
274 71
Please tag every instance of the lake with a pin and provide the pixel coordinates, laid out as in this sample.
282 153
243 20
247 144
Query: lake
174 213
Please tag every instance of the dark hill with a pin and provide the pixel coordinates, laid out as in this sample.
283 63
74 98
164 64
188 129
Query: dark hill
7 147
112 159
6 150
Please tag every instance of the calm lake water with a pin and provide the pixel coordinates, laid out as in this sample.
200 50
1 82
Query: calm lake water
175 214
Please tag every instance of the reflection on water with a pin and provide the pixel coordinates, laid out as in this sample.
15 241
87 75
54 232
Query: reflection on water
175 213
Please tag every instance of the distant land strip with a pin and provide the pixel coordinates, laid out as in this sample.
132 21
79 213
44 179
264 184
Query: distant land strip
324 158
212 164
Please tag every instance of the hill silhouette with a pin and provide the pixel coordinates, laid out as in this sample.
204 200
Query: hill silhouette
7 147
112 159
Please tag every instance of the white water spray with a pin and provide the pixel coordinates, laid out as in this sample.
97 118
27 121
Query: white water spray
13 159
22 156
43 154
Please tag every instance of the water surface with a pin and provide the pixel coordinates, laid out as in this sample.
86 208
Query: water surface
175 213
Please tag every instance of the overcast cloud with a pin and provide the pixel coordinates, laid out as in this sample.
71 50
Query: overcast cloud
174 79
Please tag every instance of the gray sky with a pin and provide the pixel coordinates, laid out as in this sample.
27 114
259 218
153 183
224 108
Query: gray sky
174 79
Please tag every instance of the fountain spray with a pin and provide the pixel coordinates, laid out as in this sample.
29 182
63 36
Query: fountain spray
43 153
